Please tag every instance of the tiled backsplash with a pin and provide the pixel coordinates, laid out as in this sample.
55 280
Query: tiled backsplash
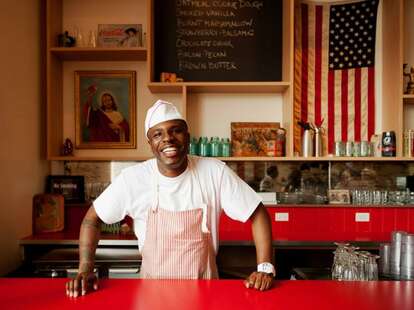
314 177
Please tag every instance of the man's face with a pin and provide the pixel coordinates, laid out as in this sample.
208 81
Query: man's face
169 144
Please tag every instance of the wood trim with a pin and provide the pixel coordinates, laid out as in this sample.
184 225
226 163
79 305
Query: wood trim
54 87
100 53
220 87
150 41
392 75
281 159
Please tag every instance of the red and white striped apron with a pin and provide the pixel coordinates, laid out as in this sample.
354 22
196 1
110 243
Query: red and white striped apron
178 244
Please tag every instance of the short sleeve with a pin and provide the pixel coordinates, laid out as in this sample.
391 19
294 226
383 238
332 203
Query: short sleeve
111 205
237 198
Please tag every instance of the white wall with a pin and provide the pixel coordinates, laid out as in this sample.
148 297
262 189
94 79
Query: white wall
21 129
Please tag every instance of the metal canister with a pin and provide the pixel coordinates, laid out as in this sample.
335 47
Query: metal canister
407 257
389 144
349 148
395 257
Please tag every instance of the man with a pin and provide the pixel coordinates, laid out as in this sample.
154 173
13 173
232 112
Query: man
175 201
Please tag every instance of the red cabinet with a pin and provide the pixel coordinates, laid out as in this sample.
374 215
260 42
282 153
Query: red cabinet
326 223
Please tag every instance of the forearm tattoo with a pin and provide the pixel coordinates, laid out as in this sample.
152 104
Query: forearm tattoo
90 223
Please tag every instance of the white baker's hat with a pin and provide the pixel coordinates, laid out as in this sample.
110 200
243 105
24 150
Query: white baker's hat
161 111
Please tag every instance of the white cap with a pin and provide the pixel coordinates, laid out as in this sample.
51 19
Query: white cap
161 111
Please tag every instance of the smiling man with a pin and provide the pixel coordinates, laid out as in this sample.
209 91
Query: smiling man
176 201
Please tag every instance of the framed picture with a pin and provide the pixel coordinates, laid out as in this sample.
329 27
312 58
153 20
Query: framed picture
119 35
339 196
71 187
254 139
105 109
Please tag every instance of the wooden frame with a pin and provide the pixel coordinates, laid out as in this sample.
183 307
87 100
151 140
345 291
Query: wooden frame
105 109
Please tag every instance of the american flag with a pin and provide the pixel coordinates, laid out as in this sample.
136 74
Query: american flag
334 69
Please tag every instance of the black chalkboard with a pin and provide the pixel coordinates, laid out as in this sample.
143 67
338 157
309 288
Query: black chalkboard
208 40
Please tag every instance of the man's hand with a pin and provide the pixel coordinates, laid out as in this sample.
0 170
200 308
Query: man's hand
259 280
81 284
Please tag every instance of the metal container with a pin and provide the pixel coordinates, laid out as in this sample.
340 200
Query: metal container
395 257
307 143
407 257
318 142
389 144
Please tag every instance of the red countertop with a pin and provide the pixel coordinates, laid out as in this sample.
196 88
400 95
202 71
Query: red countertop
204 294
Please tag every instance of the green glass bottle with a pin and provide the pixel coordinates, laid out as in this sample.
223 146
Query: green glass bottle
226 148
215 147
193 148
203 146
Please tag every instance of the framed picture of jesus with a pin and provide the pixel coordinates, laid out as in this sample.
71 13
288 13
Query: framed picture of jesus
105 107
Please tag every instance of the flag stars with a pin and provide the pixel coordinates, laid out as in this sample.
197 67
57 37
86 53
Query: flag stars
352 35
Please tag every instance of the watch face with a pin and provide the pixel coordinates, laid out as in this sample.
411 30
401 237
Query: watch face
266 268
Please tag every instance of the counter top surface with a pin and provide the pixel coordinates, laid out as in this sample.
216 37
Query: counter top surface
203 294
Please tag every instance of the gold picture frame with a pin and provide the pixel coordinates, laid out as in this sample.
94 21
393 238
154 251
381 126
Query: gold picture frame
105 109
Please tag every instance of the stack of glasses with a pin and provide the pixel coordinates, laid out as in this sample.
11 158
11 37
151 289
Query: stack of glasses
352 265
397 257
378 197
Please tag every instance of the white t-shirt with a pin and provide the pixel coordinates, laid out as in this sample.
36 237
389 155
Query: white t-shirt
133 193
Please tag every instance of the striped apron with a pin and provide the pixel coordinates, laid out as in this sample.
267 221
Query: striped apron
178 244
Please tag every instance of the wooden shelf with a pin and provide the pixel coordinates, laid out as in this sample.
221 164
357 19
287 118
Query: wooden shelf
219 87
262 158
100 53
99 158
326 158
408 98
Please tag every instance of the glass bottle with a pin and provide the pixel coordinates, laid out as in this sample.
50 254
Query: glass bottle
215 147
203 146
226 148
193 148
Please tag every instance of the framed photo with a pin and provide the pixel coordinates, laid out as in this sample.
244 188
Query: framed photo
119 35
105 108
71 187
254 139
339 196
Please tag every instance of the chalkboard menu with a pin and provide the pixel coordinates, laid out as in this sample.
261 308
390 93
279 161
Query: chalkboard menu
208 40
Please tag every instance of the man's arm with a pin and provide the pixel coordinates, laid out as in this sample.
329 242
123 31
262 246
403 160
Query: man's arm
262 236
90 232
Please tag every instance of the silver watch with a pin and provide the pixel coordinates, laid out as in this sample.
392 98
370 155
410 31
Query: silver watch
266 268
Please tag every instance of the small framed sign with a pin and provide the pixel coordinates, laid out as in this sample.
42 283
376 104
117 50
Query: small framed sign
71 187
339 196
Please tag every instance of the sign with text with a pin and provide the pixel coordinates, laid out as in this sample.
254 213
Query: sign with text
209 40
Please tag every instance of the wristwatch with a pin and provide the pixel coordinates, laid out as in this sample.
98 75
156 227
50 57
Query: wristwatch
266 268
